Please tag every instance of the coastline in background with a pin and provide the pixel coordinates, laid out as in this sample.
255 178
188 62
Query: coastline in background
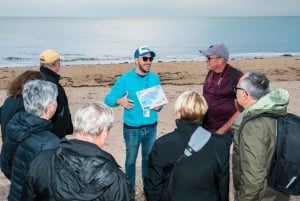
113 40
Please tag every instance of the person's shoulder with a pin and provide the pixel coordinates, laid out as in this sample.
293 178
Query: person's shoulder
151 73
165 140
235 69
125 75
13 101
45 154
221 140
46 139
41 161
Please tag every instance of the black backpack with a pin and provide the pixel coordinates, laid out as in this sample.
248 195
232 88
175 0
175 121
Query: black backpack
284 172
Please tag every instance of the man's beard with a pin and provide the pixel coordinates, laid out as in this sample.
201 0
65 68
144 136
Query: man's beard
142 69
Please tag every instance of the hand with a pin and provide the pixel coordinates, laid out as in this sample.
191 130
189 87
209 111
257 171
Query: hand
220 131
125 102
156 108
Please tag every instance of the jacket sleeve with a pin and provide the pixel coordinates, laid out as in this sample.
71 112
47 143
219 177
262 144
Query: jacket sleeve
62 121
37 177
223 183
154 183
116 92
120 190
28 193
253 151
7 155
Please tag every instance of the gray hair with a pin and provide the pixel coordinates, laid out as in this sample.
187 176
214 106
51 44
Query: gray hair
37 94
93 118
256 84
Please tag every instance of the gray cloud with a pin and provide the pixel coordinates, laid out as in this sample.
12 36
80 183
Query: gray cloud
116 8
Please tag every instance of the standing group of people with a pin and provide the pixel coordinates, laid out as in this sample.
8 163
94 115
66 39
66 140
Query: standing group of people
43 165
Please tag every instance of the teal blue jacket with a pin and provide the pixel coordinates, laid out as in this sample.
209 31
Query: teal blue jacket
131 82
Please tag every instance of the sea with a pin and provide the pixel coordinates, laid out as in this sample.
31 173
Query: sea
114 40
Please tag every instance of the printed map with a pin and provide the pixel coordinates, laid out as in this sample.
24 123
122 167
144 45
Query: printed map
152 97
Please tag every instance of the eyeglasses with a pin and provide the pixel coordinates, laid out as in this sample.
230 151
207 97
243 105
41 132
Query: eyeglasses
210 58
147 59
235 88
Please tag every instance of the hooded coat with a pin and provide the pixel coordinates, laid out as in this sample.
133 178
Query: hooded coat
254 147
27 135
77 170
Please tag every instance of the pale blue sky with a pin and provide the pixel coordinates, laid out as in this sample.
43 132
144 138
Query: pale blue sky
120 8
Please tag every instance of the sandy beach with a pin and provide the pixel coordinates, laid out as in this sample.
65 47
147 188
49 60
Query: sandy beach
88 83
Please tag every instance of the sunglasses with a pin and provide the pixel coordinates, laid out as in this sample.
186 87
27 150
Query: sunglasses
210 58
147 59
235 88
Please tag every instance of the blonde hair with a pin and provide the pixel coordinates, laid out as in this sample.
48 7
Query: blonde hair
191 106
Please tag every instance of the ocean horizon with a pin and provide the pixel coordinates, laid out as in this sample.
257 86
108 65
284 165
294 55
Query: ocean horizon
113 40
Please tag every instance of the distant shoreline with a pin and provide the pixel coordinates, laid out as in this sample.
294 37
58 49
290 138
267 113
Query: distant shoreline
247 56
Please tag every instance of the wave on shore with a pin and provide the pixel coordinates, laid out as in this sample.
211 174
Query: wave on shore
76 59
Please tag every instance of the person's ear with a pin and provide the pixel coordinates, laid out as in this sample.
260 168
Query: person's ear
178 115
102 138
50 110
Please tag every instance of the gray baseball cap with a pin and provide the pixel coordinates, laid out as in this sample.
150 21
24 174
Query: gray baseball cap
217 49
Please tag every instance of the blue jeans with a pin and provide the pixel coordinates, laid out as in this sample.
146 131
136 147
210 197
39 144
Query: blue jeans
133 138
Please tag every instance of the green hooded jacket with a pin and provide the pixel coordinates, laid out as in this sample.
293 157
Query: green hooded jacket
253 149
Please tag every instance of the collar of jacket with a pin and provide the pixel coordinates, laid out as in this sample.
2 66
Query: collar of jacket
49 73
276 101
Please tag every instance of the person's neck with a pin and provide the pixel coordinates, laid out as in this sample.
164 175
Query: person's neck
221 69
139 73
88 138
249 103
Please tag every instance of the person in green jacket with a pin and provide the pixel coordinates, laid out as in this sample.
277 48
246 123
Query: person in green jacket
253 148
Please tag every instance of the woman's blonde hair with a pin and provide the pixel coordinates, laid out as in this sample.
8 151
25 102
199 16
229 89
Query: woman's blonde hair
191 106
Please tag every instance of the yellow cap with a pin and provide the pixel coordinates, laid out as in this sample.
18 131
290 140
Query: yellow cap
49 56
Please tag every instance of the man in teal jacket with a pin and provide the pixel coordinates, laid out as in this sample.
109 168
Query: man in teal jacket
253 148
139 125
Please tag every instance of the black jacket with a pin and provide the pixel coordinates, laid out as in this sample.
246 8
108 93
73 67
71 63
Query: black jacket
10 107
27 135
62 122
203 176
77 170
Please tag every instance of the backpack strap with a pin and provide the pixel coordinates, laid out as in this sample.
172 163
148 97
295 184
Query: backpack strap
198 139
233 74
246 120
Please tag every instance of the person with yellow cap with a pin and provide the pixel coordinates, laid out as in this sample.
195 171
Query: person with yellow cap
50 62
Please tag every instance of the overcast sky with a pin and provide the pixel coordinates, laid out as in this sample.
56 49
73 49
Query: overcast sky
121 8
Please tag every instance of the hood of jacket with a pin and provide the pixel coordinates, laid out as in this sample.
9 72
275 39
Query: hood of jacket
81 171
275 102
24 124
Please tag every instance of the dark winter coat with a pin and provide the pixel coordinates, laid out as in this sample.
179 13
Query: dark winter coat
77 170
10 107
27 135
62 122
203 176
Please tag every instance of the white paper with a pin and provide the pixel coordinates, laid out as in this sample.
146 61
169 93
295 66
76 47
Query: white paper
152 97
